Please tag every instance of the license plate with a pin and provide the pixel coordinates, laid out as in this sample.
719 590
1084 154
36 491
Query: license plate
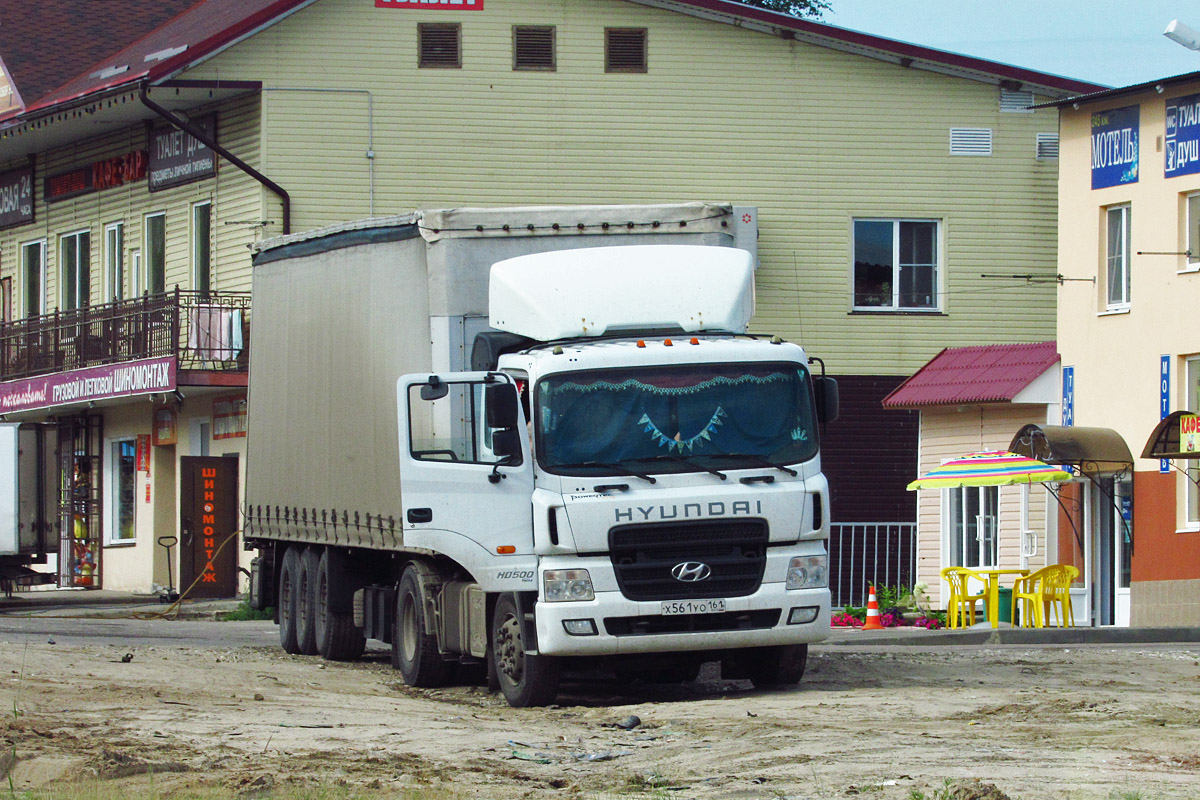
675 607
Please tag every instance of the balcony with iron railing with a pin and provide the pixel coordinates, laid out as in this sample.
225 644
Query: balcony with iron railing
208 331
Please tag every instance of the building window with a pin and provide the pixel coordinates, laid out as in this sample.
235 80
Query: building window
75 255
439 44
625 50
533 47
114 260
123 469
896 264
156 253
1191 402
1117 258
973 522
33 277
1193 231
6 309
202 247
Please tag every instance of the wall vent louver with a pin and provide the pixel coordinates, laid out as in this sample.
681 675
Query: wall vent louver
970 141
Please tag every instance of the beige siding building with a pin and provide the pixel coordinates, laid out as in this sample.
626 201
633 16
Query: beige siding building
1129 248
905 198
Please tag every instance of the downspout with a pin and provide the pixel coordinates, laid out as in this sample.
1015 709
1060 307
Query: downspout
209 142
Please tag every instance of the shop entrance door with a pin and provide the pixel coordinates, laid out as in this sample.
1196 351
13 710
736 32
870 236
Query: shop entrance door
208 523
1112 536
79 481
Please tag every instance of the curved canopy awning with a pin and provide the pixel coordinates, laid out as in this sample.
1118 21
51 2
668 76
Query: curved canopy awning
1173 436
1092 451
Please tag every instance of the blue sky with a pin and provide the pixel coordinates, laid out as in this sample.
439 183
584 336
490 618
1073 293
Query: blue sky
1111 42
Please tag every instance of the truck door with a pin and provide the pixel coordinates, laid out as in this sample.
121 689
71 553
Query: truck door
466 472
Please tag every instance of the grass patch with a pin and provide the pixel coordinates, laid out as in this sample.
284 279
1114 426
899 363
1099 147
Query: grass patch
244 613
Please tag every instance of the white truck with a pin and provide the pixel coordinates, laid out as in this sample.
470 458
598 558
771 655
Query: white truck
29 503
616 474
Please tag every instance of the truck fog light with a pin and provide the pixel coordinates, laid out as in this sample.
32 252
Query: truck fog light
808 572
802 615
579 627
565 585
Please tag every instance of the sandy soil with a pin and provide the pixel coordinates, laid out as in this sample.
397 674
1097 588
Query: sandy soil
1090 722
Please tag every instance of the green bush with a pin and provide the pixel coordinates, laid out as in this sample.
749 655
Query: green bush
244 613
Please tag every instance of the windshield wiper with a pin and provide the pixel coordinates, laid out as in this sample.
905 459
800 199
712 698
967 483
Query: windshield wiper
620 469
684 459
758 460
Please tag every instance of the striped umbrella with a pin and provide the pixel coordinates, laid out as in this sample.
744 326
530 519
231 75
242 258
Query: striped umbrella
996 468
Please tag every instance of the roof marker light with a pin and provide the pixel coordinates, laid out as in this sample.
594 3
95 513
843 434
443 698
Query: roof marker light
667 342
641 343
695 340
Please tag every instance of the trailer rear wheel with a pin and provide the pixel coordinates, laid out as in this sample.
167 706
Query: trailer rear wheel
338 638
414 648
289 575
778 666
526 680
306 602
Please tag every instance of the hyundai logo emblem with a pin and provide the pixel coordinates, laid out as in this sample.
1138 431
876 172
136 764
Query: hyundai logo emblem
691 571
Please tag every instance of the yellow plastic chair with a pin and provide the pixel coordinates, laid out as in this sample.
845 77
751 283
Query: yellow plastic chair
960 605
1042 592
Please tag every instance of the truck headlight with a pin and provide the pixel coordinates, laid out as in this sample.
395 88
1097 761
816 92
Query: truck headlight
808 572
564 585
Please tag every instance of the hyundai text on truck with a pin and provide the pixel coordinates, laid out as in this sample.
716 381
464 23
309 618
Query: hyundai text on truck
517 441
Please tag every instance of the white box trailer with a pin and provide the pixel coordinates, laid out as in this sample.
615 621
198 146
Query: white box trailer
612 470
28 502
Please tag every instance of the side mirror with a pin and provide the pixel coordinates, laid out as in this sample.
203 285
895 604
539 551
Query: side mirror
826 390
435 389
506 444
501 402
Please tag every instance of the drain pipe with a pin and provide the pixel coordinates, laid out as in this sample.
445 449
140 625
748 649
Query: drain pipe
209 142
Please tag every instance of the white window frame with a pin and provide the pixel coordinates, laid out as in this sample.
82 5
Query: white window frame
83 293
986 526
147 250
112 488
196 252
137 278
894 306
1191 215
114 261
41 245
1117 258
1191 402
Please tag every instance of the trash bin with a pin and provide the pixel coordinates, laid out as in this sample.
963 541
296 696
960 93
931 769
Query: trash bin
1004 600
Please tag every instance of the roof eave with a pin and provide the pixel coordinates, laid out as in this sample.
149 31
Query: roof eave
1107 94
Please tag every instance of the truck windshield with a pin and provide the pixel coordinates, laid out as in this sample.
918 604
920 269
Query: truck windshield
675 419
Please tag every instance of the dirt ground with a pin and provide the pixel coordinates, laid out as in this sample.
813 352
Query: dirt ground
897 722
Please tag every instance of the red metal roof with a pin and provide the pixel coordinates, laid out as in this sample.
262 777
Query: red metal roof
989 374
208 26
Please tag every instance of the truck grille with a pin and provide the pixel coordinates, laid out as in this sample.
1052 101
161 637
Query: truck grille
644 555
693 623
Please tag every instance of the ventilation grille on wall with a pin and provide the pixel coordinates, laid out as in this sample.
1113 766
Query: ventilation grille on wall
1047 146
1018 102
625 50
438 44
970 141
533 47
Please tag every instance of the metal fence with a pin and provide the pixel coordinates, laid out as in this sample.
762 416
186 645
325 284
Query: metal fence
863 554
206 330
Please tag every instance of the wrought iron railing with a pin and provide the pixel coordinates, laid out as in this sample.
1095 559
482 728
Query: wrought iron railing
206 330
863 554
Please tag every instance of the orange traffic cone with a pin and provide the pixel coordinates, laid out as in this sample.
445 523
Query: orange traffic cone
872 623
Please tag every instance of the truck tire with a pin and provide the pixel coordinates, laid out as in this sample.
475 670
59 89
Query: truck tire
526 680
306 602
288 605
778 666
338 638
414 649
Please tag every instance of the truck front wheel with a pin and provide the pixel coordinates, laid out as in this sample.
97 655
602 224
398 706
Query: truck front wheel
526 680
778 666
414 648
